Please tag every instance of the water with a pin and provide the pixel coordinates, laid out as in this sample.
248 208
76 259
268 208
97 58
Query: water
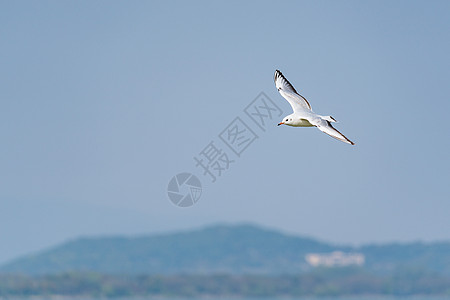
237 298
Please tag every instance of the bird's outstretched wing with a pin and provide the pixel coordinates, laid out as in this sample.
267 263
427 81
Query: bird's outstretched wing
297 101
326 127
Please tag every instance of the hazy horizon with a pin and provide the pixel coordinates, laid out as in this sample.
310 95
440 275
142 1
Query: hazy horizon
212 225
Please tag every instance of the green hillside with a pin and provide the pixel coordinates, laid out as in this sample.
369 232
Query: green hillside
238 249
242 249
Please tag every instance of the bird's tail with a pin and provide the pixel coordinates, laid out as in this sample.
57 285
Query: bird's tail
329 119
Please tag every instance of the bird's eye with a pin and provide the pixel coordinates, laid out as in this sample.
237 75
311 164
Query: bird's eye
286 120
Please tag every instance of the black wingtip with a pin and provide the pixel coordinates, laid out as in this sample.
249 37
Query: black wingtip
277 73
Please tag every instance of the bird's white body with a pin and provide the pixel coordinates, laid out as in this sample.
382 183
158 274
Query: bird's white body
303 115
299 122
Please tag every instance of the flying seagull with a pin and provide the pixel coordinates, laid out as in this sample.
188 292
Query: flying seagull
303 115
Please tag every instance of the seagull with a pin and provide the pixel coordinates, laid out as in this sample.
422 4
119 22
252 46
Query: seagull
303 115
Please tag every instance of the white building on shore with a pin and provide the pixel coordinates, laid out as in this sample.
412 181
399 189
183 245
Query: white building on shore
335 259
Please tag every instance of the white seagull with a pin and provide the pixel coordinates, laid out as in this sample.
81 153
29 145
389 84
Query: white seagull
303 115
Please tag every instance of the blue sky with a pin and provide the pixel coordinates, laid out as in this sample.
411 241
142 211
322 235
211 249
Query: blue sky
103 102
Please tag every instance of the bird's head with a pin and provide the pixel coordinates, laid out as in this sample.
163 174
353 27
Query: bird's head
286 121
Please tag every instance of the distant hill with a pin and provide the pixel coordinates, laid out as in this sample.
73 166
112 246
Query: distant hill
219 249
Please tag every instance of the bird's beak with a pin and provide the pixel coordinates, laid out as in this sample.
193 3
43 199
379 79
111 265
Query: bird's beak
280 123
